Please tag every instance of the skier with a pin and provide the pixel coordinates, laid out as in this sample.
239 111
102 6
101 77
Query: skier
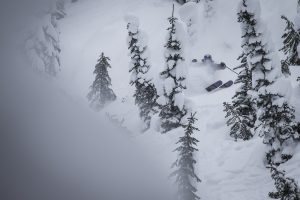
208 61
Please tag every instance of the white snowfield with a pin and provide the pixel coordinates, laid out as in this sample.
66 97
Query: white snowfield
228 169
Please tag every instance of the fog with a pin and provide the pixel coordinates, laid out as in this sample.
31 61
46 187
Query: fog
52 148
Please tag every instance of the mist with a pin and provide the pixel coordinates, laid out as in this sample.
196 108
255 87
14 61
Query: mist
52 148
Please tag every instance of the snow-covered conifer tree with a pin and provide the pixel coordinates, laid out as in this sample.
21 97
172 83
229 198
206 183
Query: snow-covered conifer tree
189 14
290 44
276 116
145 91
209 8
101 93
185 164
60 9
286 188
242 112
174 75
43 43
277 120
241 125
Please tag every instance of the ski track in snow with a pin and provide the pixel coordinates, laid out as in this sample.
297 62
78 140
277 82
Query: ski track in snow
228 169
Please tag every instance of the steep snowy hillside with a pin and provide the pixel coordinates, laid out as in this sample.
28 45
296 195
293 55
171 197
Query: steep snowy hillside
54 148
228 169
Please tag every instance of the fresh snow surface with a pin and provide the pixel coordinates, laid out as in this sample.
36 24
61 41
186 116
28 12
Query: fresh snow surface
228 169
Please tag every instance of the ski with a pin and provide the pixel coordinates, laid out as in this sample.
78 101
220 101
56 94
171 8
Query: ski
227 84
214 86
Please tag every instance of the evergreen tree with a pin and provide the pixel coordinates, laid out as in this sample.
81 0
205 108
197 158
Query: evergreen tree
276 117
278 128
242 112
185 172
190 16
145 91
290 43
209 8
43 44
239 123
297 128
286 188
259 56
101 93
60 9
174 75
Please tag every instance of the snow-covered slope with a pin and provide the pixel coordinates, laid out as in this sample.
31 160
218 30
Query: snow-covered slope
52 147
228 169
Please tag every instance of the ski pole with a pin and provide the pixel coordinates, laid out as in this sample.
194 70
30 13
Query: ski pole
232 70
